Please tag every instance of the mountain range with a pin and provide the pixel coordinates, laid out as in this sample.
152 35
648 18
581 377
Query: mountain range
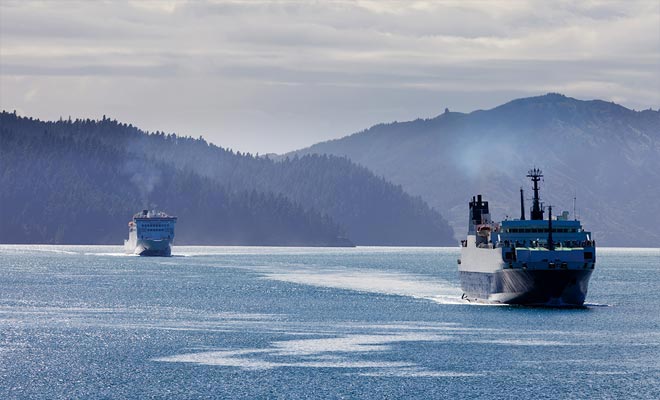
598 155
79 181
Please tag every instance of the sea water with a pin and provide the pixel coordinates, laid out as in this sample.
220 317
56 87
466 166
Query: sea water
256 322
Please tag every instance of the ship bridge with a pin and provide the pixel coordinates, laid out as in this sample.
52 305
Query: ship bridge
526 233
153 225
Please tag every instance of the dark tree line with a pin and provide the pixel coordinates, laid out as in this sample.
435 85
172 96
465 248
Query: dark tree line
59 190
78 181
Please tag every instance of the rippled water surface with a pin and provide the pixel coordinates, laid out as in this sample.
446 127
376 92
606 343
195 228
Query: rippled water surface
242 322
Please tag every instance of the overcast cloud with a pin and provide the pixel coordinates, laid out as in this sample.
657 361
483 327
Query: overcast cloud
275 76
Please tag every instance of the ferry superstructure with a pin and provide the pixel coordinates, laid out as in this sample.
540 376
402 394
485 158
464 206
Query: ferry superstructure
150 233
536 261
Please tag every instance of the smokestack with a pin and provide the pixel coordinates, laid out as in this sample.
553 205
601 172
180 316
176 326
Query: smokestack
522 205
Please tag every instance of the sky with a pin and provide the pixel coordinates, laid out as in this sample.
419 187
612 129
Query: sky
270 77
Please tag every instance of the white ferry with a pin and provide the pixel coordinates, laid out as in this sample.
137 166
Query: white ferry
536 261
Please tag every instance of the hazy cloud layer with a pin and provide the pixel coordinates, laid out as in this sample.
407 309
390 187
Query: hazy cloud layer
275 76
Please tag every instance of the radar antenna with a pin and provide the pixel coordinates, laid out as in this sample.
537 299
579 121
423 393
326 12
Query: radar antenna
536 174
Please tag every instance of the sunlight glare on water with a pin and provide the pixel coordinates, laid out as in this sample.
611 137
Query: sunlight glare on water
89 321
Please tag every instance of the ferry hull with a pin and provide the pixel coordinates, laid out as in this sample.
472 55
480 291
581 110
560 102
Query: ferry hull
554 288
154 248
151 248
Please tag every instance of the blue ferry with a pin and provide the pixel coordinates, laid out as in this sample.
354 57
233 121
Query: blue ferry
535 261
150 233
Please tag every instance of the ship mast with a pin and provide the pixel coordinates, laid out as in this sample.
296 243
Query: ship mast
551 243
536 175
522 205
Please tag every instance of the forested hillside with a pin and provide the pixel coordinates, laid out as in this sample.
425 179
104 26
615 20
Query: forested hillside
79 181
372 210
604 154
59 190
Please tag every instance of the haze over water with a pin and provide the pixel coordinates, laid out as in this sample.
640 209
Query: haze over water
250 322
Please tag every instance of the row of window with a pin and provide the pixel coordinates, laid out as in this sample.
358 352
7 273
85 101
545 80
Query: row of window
540 230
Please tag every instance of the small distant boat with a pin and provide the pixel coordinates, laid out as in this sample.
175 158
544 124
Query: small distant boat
150 233
545 262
